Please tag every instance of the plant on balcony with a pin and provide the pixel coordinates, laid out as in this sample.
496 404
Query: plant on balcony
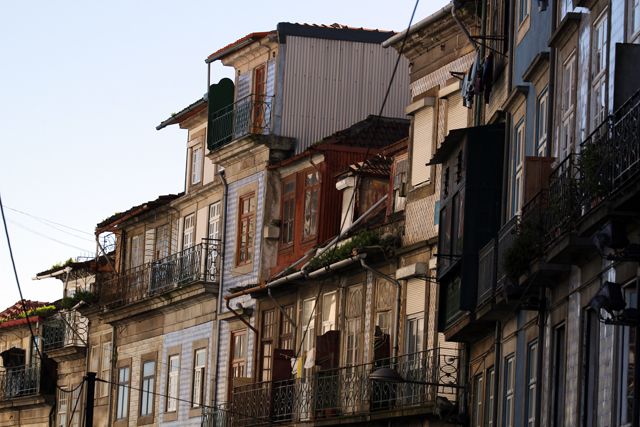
518 256
61 264
236 289
40 311
333 255
591 161
289 270
86 296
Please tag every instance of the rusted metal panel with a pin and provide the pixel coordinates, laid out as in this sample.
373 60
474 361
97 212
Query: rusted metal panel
331 84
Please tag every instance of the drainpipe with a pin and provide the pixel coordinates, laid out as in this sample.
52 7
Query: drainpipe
496 373
223 210
396 319
541 316
461 25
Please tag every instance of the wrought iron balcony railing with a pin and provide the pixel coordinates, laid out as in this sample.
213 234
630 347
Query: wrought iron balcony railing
199 262
348 391
249 115
20 381
67 328
506 236
218 416
563 197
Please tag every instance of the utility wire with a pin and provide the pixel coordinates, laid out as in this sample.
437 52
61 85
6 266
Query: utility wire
45 221
45 236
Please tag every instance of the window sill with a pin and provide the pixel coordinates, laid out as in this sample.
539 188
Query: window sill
523 28
147 419
170 416
195 412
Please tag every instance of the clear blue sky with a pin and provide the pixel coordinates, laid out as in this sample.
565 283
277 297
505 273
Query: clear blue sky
83 84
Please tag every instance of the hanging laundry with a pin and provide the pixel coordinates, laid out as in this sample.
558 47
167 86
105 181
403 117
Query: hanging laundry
311 359
487 77
468 84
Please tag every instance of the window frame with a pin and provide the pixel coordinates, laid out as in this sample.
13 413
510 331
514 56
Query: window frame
599 66
542 125
171 402
137 251
199 388
558 374
105 360
628 335
161 242
123 390
188 231
478 400
213 230
532 383
63 401
634 21
310 188
329 324
250 218
267 339
240 362
517 166
289 198
490 397
285 338
355 319
196 164
145 359
508 390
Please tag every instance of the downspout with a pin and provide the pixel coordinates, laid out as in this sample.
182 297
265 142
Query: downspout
396 319
496 372
539 355
477 114
235 313
461 25
223 210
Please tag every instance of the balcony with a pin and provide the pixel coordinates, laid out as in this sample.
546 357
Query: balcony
218 416
20 381
249 115
65 335
348 392
197 263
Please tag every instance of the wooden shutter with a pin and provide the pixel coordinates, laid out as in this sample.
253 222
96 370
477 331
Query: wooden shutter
422 146
149 245
416 294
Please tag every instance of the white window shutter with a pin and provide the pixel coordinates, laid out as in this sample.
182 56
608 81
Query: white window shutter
416 294
457 114
422 146
149 245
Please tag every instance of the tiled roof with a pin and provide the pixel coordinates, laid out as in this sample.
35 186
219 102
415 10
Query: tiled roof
346 27
185 113
255 36
376 165
17 308
374 131
136 210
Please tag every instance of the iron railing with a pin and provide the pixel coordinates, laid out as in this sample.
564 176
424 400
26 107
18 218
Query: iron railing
506 236
534 217
186 266
249 115
487 272
67 328
218 416
563 197
20 381
349 391
252 404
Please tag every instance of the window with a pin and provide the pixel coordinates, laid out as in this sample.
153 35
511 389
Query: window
123 394
95 366
568 88
422 146
523 10
162 242
329 312
246 229
214 221
384 306
509 368
634 18
35 350
258 108
308 324
173 366
590 366
532 379
187 233
557 397
517 160
599 67
199 363
288 212
488 407
196 165
75 406
63 401
312 187
477 401
268 332
627 351
286 330
137 250
238 357
541 140
147 386
354 326
399 183
106 365
415 334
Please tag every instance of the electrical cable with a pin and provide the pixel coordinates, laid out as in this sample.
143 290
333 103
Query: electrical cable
44 221
45 236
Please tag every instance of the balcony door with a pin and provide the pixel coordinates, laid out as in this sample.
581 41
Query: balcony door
259 99
238 358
